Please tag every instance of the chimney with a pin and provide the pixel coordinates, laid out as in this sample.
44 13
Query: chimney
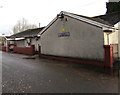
113 6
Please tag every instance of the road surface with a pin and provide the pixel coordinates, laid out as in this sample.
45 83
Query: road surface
39 75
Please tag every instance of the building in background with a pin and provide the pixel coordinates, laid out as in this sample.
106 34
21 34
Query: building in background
112 16
27 38
25 42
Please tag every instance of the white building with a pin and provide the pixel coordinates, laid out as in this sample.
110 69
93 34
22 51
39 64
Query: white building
75 36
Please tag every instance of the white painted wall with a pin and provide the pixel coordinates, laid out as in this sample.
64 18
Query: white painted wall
85 40
113 38
119 38
36 43
33 42
105 39
4 41
26 42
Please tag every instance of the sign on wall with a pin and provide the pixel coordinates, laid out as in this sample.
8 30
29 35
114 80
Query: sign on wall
63 33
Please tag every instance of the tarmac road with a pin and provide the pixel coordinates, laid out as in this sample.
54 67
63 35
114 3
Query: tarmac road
21 75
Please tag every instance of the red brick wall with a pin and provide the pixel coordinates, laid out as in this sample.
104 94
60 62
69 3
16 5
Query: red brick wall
25 50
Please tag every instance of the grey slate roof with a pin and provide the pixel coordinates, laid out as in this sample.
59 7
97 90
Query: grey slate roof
27 33
111 18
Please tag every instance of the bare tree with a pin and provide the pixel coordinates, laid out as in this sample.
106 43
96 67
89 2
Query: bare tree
23 25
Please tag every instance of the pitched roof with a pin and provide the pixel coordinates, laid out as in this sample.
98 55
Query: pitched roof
111 18
27 33
94 21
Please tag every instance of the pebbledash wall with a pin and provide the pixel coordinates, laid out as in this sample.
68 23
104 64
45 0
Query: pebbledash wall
82 40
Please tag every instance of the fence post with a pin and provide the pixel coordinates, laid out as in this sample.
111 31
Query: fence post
108 56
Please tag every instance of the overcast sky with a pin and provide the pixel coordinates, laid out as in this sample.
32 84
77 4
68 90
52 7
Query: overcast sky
43 11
